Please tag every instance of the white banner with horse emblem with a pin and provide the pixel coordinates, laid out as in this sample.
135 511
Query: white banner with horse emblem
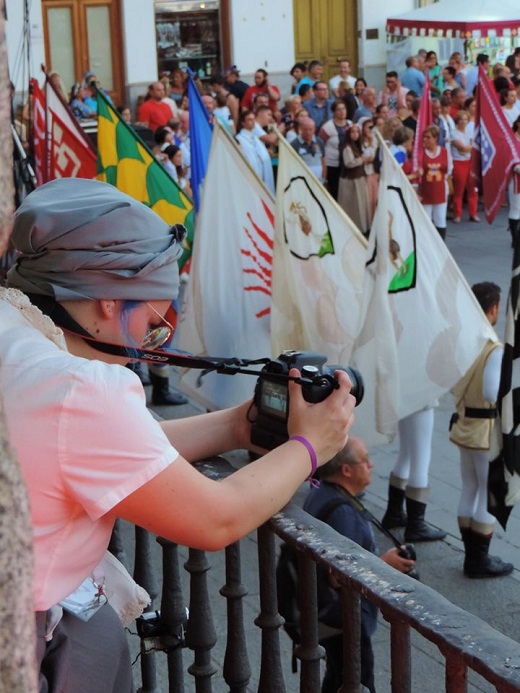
318 266
421 326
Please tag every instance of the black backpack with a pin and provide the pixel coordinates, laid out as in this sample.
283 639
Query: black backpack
329 611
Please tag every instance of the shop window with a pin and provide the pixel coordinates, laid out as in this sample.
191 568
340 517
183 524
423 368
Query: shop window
188 35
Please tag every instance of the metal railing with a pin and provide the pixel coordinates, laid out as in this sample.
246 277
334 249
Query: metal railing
465 641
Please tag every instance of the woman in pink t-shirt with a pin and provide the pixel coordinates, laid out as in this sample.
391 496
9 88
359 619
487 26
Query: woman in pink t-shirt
103 267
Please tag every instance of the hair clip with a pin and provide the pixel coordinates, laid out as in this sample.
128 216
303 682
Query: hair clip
179 232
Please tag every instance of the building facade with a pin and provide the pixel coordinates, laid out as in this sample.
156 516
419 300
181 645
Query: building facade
127 43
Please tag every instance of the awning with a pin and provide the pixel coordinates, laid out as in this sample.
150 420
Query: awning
461 19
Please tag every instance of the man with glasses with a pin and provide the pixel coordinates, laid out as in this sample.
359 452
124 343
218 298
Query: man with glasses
348 474
319 107
393 94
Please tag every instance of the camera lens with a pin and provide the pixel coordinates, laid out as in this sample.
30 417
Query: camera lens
358 389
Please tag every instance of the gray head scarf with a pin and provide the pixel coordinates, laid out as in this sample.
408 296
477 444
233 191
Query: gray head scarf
82 239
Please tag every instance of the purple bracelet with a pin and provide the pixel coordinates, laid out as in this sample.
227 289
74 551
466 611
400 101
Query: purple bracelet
314 460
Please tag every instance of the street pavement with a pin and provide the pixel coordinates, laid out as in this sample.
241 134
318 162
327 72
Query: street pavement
483 253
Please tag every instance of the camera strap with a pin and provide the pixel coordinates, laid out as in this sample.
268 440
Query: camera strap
208 364
355 503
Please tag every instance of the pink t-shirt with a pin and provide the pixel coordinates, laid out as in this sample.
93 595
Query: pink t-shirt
84 440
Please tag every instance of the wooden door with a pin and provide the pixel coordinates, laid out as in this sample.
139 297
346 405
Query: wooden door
326 30
82 35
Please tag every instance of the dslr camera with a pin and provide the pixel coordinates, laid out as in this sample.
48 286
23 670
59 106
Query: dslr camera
272 392
408 551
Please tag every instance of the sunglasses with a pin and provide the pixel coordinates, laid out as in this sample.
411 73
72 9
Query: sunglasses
158 336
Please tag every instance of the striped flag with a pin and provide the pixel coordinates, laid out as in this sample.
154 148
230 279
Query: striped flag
228 303
504 467
125 161
495 151
41 166
71 153
61 148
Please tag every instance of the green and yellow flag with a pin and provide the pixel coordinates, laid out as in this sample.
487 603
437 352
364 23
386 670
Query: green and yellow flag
126 162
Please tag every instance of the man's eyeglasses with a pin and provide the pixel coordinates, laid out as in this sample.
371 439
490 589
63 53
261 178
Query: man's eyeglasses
158 336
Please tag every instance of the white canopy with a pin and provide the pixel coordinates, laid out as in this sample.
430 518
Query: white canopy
461 19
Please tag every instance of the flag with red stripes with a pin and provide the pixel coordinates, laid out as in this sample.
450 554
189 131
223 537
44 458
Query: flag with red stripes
227 309
495 148
71 153
41 165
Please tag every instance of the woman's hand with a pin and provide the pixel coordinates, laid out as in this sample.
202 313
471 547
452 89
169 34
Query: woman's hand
325 424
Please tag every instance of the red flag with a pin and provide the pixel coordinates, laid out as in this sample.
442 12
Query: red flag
41 168
495 148
71 154
424 119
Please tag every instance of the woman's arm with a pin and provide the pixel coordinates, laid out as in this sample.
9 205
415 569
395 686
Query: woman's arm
323 134
206 435
186 507
460 145
350 160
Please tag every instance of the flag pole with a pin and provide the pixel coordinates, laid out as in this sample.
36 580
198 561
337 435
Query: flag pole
46 147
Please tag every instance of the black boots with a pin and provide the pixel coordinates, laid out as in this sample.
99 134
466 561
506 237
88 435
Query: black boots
514 229
161 393
394 515
477 561
442 232
416 528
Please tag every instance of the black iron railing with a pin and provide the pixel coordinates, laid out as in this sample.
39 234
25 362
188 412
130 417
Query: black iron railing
465 641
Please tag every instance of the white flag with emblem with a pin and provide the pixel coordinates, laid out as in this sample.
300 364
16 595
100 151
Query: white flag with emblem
421 325
319 256
227 308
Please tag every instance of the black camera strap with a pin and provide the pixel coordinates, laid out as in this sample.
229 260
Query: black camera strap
63 319
208 364
355 503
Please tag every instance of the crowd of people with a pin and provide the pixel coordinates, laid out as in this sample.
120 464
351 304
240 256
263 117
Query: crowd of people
105 461
318 116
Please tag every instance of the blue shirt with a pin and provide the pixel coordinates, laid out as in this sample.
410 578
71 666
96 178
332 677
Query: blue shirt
348 522
471 80
304 80
362 112
413 79
320 114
